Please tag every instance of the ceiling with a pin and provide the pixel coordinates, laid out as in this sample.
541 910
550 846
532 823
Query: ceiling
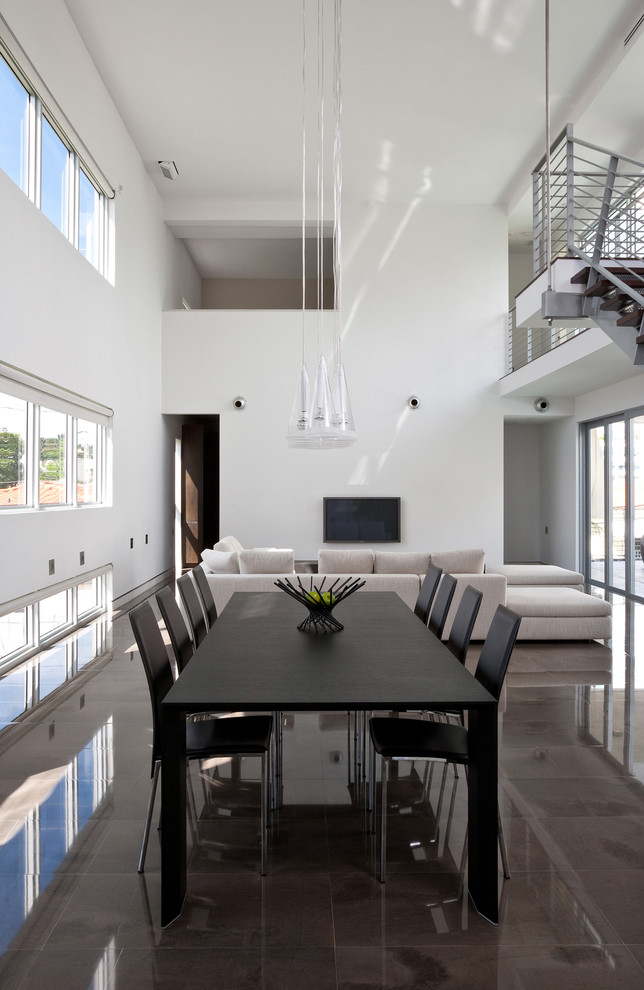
443 102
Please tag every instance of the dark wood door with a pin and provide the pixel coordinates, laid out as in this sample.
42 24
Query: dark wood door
199 489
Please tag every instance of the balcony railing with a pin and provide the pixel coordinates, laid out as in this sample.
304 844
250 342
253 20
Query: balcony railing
596 204
525 344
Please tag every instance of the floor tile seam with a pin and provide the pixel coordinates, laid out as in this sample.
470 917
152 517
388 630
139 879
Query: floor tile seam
574 794
639 817
629 946
612 871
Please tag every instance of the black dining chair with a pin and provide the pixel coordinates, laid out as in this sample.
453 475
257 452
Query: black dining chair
460 635
412 739
427 592
205 593
465 616
177 629
442 602
192 604
248 735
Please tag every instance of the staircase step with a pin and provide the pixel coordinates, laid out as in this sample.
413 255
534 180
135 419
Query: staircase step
633 319
603 286
617 301
582 276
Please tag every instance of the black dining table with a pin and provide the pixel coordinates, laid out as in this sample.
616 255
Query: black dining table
256 659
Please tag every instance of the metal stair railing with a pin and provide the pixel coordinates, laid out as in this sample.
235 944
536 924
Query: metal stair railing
596 210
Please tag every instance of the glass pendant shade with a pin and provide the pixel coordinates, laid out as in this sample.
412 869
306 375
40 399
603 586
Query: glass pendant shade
322 417
301 411
343 413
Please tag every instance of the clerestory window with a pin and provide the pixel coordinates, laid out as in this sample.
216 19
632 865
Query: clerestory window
46 163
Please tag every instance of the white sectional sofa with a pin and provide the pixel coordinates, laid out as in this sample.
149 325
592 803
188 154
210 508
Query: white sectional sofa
553 604
550 599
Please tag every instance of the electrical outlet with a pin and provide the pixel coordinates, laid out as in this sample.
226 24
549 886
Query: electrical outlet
82 558
131 543
146 537
52 566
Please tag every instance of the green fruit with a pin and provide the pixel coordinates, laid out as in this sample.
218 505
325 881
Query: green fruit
313 596
328 598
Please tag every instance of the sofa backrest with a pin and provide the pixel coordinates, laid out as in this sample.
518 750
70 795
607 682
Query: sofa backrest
400 563
460 561
345 561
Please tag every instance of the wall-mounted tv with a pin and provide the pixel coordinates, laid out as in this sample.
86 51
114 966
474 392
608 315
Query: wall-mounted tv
361 520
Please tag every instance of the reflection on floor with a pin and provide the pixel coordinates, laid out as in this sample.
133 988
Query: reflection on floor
74 781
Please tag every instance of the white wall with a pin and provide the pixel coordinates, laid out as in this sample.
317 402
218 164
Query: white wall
521 273
559 468
61 320
522 486
425 300
559 496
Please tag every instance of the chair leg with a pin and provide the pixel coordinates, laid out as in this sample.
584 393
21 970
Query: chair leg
148 819
440 803
383 821
504 852
263 815
371 792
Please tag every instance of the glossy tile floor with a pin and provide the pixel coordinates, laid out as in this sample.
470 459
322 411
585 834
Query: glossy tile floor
74 782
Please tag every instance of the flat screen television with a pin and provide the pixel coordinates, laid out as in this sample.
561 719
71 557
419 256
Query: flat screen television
361 520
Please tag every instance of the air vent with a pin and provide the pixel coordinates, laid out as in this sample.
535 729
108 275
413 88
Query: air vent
169 170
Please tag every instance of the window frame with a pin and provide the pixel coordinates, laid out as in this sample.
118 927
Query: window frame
42 105
37 641
41 395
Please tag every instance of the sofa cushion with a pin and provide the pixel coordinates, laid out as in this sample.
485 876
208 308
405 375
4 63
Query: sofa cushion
345 561
228 544
538 574
220 561
400 563
266 561
551 602
460 561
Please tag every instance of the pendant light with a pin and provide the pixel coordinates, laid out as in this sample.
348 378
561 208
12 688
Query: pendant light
321 416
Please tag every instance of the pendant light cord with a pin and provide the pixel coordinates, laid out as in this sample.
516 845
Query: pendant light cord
337 188
303 174
548 207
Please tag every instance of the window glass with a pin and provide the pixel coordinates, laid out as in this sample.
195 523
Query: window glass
53 613
13 696
13 444
54 177
13 632
53 432
52 669
86 454
87 596
14 126
88 220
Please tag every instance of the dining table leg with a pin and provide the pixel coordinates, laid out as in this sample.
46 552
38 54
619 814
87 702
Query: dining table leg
483 811
173 815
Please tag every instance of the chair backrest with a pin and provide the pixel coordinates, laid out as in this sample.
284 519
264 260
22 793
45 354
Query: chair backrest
442 602
427 592
190 599
460 634
175 624
497 650
156 663
207 600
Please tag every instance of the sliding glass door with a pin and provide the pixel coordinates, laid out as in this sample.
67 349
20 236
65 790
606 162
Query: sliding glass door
614 503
